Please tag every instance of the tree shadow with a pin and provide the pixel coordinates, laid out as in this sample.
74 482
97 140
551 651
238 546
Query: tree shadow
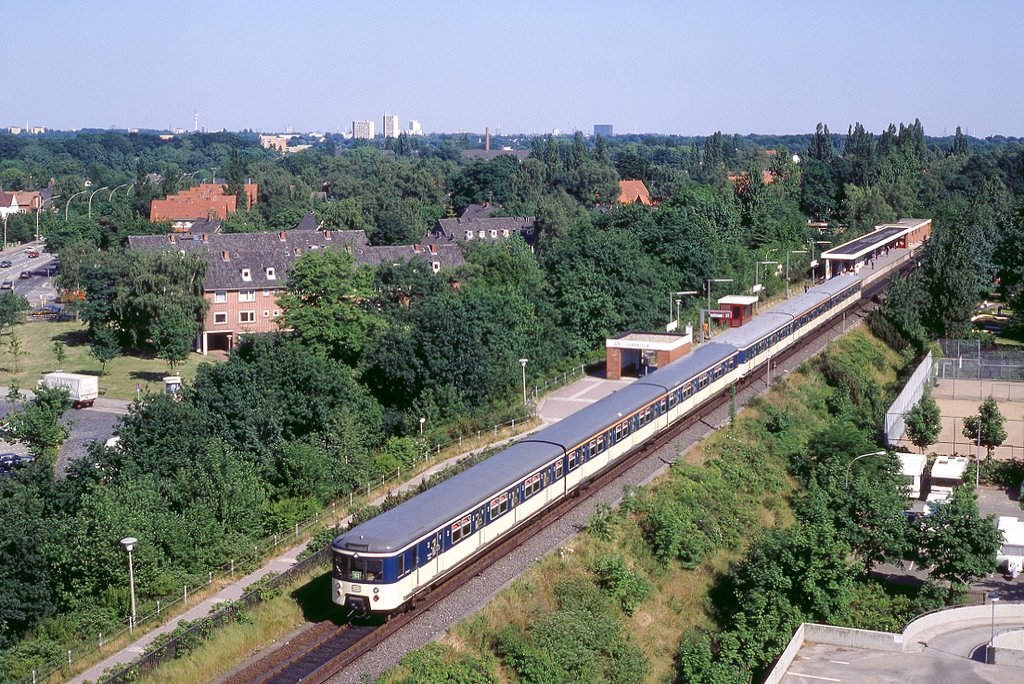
314 598
73 338
148 376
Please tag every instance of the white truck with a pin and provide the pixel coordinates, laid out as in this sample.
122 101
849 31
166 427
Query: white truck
83 388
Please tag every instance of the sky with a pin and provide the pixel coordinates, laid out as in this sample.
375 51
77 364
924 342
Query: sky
681 67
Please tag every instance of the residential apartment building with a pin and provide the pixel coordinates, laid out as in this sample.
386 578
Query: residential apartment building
391 129
205 201
486 228
415 128
363 130
247 271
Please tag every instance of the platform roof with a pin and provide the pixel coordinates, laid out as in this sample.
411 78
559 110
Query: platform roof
949 467
854 249
745 300
912 464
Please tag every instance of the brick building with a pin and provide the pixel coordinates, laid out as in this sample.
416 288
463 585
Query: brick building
205 201
246 272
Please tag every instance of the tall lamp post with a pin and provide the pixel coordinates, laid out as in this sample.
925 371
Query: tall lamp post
678 294
710 281
994 599
110 197
129 544
850 465
792 251
68 205
757 278
93 195
522 363
422 421
813 262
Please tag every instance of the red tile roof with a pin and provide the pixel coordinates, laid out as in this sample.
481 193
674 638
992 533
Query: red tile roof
633 191
206 200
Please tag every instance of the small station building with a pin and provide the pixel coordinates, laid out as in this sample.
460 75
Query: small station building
734 310
639 353
856 254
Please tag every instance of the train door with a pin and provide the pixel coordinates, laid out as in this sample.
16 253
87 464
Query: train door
432 565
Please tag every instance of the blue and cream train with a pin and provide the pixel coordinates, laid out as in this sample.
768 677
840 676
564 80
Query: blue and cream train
380 565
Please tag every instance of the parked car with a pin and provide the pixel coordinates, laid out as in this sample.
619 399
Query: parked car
7 285
33 254
25 275
6 263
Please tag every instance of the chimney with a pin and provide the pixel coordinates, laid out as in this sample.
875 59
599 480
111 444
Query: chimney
487 139
327 235
225 255
206 237
416 249
282 236
433 249
172 237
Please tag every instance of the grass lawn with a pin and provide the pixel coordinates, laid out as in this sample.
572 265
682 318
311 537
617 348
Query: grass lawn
37 338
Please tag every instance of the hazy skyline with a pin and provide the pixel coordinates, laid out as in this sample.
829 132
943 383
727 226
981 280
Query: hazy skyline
664 67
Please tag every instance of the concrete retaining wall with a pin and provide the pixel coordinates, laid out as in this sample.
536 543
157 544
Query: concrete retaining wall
1009 648
853 638
785 660
1005 612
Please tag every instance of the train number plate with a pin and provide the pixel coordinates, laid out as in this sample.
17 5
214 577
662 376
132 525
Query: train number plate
356 589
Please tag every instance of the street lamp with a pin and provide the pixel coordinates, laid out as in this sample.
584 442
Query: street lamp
850 465
709 282
677 294
794 251
994 599
757 278
129 544
110 197
816 242
422 421
93 195
523 362
68 205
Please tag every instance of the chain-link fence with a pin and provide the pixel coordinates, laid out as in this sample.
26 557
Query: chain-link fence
895 424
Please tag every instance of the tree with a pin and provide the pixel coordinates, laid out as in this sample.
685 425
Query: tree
60 353
173 334
924 421
13 308
103 345
38 422
323 303
24 569
960 148
958 544
16 351
988 427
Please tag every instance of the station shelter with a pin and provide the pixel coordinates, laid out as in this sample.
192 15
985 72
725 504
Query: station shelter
639 353
854 255
734 310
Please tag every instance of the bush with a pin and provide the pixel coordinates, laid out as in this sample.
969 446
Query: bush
622 584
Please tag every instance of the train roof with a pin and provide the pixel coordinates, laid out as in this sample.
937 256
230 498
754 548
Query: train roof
395 529
697 361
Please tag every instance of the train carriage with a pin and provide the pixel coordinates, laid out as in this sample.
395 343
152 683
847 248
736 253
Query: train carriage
380 565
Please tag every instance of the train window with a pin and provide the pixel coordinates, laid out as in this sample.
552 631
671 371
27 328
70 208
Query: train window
461 529
558 470
531 486
357 569
596 446
574 459
499 506
401 565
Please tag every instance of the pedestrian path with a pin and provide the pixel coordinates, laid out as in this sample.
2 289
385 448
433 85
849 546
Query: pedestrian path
550 409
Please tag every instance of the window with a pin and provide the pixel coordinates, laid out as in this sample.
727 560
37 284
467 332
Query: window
461 529
246 274
276 313
400 565
469 235
531 486
494 233
246 316
266 313
499 506
574 460
558 470
220 317
220 297
355 569
271 274
435 266
266 293
247 295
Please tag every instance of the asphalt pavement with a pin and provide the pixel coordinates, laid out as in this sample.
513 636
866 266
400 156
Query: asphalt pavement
38 287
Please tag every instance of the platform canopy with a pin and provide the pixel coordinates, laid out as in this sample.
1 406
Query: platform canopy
742 300
877 239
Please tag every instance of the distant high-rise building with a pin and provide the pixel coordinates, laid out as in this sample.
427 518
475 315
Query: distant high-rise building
603 130
391 129
363 130
415 128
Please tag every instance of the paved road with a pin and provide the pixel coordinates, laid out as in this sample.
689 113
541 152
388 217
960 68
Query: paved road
38 288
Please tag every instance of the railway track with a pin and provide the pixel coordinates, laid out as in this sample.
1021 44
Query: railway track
324 650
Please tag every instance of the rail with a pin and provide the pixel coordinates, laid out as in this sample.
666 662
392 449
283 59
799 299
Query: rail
154 611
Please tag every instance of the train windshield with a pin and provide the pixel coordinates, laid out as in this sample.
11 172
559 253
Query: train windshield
354 569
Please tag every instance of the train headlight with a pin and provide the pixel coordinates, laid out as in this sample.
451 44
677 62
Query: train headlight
376 590
376 598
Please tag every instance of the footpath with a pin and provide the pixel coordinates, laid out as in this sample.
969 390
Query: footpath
552 408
